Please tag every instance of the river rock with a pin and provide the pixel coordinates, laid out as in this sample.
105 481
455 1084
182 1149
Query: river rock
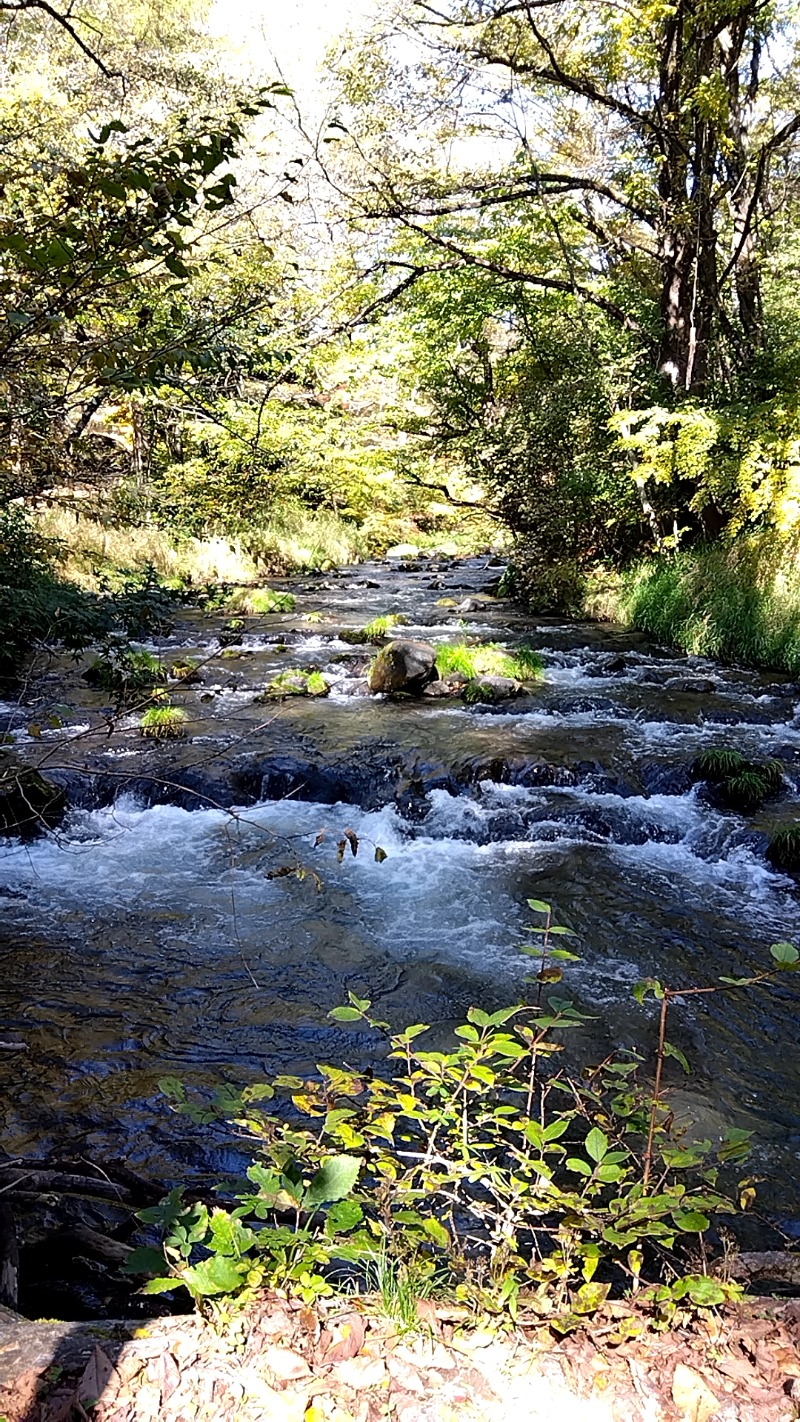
403 666
29 804
403 550
491 689
445 686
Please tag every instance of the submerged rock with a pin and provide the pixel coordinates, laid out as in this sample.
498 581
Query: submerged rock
29 804
403 666
491 689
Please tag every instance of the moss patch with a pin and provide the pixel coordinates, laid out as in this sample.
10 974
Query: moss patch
741 784
295 682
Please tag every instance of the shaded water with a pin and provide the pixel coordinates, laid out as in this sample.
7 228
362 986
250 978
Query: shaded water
146 939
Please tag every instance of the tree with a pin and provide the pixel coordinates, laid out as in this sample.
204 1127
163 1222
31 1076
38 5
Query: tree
657 128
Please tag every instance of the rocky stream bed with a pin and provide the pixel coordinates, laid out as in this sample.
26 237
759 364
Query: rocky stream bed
157 931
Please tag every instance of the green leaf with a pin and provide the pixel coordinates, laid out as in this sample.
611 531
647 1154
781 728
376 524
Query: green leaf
218 1275
172 1087
345 1014
578 1166
692 1221
160 1286
539 906
437 1232
785 955
334 1179
704 1292
590 1297
596 1144
343 1216
144 1260
672 1051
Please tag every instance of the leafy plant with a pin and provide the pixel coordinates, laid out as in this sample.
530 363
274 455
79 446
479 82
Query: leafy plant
471 1163
124 670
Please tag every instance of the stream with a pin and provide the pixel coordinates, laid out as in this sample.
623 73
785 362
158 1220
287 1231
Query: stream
145 939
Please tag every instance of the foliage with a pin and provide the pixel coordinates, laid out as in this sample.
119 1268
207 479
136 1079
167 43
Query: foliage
487 659
783 850
472 1162
127 671
163 723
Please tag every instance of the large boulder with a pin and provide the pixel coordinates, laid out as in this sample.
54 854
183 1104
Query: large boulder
29 804
403 666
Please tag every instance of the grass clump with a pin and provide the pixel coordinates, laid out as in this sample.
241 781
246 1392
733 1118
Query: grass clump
185 671
375 631
783 850
487 659
741 784
163 723
258 601
295 682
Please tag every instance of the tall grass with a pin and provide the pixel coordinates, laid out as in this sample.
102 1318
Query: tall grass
738 603
294 539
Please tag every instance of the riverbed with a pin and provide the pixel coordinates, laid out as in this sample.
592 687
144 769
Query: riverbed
151 937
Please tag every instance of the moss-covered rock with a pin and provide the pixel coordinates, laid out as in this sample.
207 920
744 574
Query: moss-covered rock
29 804
490 690
403 666
295 682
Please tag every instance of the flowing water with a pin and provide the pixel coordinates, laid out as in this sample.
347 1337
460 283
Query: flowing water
146 939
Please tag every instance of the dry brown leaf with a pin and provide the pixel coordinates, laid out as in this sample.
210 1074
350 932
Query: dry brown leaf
284 1363
21 1395
404 1377
358 1373
692 1396
99 1377
148 1402
169 1375
347 1338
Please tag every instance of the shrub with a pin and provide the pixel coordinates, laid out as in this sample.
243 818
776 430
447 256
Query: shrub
468 1162
124 671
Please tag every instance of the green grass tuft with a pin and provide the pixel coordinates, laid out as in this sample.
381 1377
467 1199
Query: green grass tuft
743 784
488 659
258 601
163 723
783 850
719 764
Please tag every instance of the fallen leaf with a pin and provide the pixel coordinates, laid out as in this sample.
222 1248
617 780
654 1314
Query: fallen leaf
99 1376
284 1364
358 1373
347 1338
693 1398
